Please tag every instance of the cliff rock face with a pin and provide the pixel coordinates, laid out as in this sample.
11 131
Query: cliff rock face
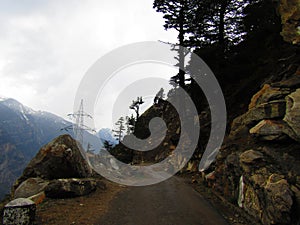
258 167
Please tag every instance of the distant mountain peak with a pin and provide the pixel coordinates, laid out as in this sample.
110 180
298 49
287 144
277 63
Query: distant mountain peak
2 98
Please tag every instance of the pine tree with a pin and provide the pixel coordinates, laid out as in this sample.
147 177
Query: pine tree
177 15
119 132
130 122
136 106
159 96
218 22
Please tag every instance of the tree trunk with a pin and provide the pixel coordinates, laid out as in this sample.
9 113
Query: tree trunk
181 73
221 35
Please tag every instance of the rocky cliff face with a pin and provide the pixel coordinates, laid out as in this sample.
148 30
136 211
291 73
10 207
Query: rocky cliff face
258 167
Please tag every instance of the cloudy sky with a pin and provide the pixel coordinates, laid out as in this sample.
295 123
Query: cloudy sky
46 46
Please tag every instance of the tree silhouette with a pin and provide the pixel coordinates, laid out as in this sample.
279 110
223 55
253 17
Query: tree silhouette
219 23
136 106
119 132
204 22
130 122
177 15
160 95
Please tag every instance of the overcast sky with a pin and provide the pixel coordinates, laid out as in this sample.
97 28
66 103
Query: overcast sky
46 46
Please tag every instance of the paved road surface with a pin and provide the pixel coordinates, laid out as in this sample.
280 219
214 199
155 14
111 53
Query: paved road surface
169 203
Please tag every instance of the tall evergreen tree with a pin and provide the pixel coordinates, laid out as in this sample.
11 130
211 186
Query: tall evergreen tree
177 15
218 22
119 131
130 123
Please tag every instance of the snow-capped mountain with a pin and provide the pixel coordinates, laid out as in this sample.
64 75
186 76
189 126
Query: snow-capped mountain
105 134
23 132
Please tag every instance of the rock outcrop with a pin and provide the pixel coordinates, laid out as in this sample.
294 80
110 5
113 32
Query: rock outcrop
273 113
59 170
61 158
259 164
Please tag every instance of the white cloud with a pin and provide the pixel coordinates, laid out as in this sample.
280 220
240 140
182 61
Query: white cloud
47 46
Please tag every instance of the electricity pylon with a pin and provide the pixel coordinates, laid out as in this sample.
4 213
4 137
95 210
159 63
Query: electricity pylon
79 128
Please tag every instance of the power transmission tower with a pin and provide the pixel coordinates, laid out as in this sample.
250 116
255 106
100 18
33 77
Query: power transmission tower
79 128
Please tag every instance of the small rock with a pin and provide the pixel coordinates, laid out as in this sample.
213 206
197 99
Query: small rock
192 166
273 130
267 94
292 116
275 178
172 147
30 187
20 211
38 198
251 156
211 176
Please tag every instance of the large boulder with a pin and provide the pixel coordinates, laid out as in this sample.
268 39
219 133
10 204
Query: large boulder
61 158
68 188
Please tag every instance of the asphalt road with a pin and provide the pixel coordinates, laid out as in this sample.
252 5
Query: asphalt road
172 202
